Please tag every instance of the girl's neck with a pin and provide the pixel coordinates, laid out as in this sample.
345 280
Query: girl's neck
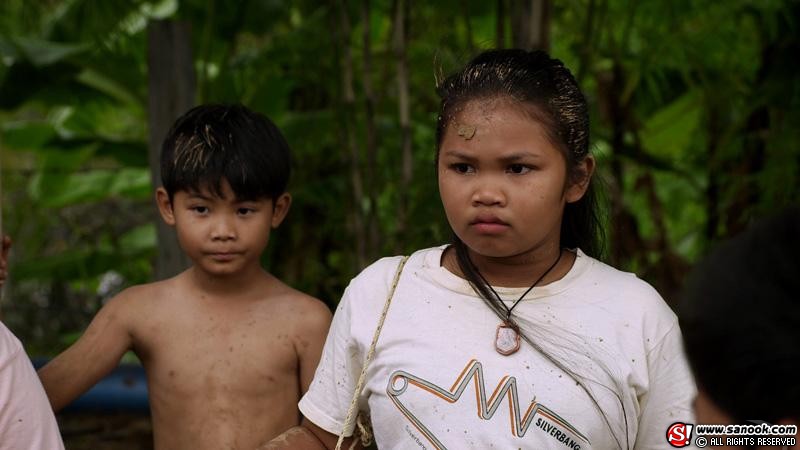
515 271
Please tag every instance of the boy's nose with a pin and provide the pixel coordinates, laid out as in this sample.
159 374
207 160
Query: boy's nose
223 230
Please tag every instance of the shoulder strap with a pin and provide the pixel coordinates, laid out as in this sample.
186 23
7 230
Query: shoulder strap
362 377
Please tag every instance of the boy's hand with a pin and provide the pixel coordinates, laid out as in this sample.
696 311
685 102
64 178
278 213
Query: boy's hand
6 245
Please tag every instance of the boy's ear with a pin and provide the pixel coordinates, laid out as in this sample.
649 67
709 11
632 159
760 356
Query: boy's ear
280 207
578 187
165 206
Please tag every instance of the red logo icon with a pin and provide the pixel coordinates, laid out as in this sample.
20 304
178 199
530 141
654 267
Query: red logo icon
679 434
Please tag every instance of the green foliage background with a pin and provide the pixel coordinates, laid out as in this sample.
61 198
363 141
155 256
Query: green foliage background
694 109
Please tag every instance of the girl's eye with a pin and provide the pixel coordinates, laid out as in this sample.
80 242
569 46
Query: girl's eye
518 169
462 168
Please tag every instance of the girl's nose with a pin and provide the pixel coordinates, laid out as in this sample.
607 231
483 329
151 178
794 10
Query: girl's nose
488 193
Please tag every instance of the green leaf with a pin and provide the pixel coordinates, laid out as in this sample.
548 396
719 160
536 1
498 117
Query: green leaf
139 239
96 185
670 130
44 53
54 169
107 86
131 183
79 188
27 135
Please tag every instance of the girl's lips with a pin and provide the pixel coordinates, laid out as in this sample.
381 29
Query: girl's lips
490 227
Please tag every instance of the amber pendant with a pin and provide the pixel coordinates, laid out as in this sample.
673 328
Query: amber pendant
506 341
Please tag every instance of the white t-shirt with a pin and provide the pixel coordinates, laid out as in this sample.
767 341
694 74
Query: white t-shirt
436 380
26 419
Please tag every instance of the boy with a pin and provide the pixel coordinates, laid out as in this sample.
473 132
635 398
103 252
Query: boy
227 347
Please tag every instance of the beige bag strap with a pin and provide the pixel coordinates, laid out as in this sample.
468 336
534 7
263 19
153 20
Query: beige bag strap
351 411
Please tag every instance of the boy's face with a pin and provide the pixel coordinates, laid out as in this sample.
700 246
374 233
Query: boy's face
222 236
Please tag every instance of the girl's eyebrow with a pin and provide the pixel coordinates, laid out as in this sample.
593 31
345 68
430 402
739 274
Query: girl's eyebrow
514 157
459 155
510 158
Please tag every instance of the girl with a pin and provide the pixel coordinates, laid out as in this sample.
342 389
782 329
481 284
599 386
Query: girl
512 336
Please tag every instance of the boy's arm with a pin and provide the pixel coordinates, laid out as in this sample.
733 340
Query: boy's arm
311 338
92 357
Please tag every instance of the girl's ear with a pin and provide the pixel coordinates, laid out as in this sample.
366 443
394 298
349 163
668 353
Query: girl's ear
165 206
578 186
280 207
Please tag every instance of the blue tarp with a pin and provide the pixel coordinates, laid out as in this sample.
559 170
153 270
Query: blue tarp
123 390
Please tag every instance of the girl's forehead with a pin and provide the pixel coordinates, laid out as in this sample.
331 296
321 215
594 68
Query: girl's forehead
479 119
486 110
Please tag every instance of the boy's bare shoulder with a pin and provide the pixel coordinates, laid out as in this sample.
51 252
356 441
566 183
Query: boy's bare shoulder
142 297
300 307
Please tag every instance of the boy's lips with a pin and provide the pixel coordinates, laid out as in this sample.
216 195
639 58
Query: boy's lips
222 256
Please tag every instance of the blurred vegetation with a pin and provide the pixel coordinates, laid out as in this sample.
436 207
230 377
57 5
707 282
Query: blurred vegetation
695 107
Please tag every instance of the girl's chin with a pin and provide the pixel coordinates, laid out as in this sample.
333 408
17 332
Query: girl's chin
492 249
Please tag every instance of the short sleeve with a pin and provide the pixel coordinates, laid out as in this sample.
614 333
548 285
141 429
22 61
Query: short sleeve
354 322
26 419
670 394
329 395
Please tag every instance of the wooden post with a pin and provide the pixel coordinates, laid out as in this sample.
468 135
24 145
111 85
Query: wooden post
171 82
530 24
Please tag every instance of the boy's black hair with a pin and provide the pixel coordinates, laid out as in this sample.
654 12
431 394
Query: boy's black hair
740 318
213 142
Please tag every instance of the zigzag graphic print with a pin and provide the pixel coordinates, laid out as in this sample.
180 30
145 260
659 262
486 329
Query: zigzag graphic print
486 408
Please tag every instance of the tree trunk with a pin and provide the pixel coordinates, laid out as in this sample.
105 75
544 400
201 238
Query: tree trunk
626 242
714 130
171 83
400 44
500 26
349 100
373 238
468 26
586 50
530 24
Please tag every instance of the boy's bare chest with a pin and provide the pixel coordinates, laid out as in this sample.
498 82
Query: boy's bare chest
201 352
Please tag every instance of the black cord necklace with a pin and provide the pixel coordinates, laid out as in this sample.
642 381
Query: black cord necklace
507 340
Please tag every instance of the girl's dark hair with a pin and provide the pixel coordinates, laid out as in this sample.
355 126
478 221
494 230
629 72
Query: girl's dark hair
546 91
210 143
740 319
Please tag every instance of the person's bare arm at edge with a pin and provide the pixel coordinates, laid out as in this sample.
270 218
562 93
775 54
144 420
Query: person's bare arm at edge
5 244
307 437
96 353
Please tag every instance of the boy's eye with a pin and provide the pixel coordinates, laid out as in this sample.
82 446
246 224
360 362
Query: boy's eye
518 169
245 211
199 209
462 168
